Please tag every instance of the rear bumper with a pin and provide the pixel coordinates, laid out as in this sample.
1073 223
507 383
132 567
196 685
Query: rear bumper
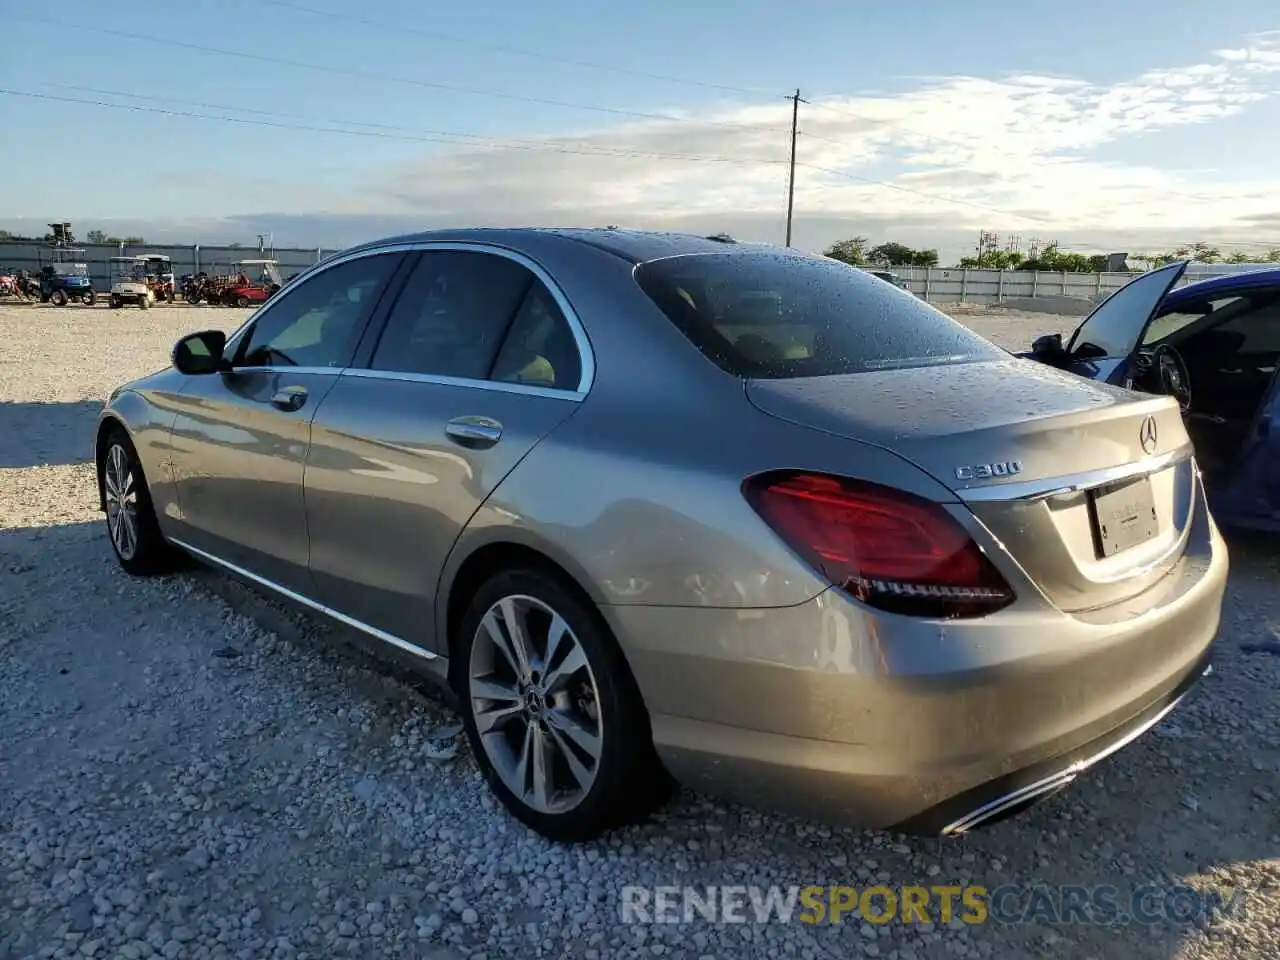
835 712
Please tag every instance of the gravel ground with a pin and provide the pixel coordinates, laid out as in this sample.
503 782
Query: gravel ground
188 769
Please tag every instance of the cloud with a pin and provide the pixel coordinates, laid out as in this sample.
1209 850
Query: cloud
950 156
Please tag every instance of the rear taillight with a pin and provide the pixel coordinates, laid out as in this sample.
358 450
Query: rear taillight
890 549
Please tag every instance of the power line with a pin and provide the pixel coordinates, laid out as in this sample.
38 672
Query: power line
383 77
401 28
444 139
418 133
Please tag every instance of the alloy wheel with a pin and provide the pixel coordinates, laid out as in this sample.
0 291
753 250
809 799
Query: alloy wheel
535 704
121 495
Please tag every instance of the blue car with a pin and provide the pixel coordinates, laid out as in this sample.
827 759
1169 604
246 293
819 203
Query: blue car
1215 346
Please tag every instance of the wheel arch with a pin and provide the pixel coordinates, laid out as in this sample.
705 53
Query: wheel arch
108 423
114 416
471 565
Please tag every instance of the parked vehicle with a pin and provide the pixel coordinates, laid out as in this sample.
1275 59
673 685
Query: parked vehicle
28 287
1215 346
654 505
129 283
65 278
159 274
63 282
888 276
255 281
194 287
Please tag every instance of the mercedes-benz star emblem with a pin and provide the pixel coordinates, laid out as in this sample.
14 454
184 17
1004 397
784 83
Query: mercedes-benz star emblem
1148 435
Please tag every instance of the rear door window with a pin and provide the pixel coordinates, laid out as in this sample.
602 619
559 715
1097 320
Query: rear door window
453 314
776 315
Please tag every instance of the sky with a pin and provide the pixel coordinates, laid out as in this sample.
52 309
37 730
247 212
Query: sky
1096 125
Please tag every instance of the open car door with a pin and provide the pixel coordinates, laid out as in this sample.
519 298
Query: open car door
1102 346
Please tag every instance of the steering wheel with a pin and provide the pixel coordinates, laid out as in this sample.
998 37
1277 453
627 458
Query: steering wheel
1172 375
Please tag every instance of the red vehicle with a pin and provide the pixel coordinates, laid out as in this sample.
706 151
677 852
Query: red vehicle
254 282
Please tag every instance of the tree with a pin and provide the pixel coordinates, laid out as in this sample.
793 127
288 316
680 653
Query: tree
852 251
994 260
895 254
96 236
1200 252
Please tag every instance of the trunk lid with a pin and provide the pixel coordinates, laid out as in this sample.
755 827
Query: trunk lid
1028 448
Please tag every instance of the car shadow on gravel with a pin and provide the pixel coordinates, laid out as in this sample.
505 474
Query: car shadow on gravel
46 434
134 688
1178 833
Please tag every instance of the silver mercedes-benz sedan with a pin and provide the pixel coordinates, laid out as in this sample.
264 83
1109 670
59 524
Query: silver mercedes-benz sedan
669 508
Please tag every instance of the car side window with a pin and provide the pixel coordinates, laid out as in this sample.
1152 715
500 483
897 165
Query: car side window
539 350
1167 324
317 322
451 317
1259 329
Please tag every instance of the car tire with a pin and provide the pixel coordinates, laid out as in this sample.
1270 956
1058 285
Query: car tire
114 303
242 301
88 299
144 302
132 528
58 298
584 697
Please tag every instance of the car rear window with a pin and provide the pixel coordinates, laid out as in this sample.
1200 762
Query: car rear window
775 315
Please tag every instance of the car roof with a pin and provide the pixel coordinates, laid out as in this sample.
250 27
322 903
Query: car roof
1231 281
634 246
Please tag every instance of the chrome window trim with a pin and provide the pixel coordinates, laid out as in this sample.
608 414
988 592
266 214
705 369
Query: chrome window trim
1074 483
360 625
332 371
586 356
500 386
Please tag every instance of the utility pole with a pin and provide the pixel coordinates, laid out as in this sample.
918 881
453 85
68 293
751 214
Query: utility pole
791 179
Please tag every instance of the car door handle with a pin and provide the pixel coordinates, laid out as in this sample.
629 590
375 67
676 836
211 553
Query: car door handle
474 432
290 398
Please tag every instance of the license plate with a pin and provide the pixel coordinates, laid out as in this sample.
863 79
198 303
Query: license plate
1124 515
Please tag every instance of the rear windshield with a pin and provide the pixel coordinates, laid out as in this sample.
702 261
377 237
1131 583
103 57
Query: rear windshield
777 315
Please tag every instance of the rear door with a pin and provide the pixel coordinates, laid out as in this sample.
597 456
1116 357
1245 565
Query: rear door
1252 493
479 359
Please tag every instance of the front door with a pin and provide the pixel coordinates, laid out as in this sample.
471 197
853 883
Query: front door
477 363
1101 347
240 437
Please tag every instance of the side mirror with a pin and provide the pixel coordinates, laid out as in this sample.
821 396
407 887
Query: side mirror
199 353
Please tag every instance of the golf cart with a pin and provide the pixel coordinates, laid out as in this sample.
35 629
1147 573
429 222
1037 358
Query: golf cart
129 282
66 276
160 277
63 281
254 282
